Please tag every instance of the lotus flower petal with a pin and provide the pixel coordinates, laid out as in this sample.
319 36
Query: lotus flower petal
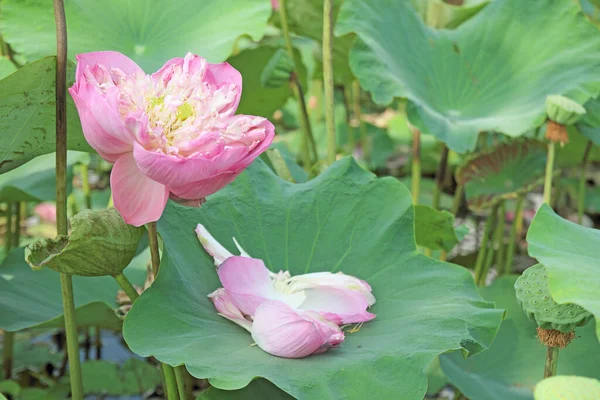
349 305
138 198
227 308
281 331
336 280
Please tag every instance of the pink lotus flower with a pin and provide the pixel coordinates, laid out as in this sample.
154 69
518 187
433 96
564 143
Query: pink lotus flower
287 316
46 211
173 133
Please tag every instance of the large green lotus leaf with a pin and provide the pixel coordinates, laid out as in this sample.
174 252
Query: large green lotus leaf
443 14
344 220
305 18
36 180
33 298
514 363
568 387
258 389
150 32
502 172
27 114
6 67
570 253
490 74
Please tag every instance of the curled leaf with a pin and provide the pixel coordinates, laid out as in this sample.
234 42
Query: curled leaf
100 243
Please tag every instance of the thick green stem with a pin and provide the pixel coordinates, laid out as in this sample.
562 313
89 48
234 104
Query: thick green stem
8 237
440 175
153 242
416 164
317 89
328 79
85 186
61 197
480 263
127 287
170 382
180 374
362 128
308 139
514 237
549 173
581 192
458 195
551 362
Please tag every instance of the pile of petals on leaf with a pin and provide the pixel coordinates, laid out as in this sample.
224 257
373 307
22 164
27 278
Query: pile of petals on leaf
288 316
173 133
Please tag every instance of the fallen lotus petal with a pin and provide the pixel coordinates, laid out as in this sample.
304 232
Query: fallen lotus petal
100 243
214 248
227 308
172 133
284 332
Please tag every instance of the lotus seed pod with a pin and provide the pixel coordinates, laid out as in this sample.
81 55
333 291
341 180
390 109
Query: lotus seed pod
100 243
278 70
568 387
563 110
534 297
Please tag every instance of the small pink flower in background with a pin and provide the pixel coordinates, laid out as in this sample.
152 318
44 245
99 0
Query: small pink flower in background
173 133
275 4
288 316
46 212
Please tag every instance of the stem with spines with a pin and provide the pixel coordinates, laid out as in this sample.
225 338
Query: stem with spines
328 79
66 282
512 241
549 173
581 191
416 164
480 263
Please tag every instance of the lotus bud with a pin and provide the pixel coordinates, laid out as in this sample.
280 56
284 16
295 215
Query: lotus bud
100 243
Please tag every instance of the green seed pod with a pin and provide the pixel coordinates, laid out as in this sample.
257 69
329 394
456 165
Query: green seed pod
568 387
278 70
563 110
100 243
534 297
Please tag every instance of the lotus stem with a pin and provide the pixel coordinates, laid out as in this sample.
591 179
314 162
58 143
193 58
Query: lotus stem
127 287
491 251
500 237
153 242
350 103
328 79
61 197
440 174
317 89
514 236
581 192
416 164
167 370
308 139
16 239
8 337
362 128
551 362
9 226
480 263
85 186
8 344
180 373
98 342
458 195
548 177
